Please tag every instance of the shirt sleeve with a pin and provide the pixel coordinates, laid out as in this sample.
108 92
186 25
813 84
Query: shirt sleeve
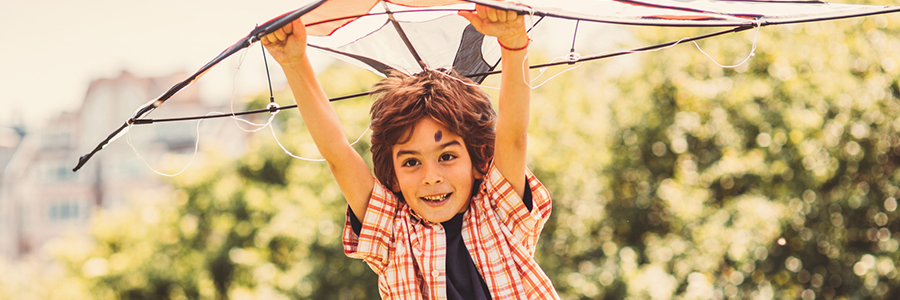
523 223
376 232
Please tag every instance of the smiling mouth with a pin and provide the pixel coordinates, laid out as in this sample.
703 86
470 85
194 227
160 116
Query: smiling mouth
436 198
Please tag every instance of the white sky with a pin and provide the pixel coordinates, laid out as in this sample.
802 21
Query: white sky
52 49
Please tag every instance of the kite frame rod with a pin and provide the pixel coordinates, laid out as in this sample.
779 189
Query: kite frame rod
234 114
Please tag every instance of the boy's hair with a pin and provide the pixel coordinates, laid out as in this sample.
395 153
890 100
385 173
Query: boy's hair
403 100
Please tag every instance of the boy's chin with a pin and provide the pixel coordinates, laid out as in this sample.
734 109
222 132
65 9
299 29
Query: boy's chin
435 217
441 215
440 218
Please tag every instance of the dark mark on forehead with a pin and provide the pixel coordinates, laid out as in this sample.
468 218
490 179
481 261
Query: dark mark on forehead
438 136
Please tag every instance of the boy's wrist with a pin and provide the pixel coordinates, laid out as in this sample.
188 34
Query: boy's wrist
298 61
505 47
514 43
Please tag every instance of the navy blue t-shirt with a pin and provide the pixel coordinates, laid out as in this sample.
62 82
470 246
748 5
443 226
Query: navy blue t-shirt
463 280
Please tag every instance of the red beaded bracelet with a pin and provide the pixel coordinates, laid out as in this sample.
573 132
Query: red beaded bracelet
527 42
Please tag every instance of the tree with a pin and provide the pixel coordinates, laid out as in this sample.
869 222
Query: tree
682 179
263 226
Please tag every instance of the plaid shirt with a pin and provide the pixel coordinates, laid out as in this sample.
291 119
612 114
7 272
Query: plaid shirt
409 253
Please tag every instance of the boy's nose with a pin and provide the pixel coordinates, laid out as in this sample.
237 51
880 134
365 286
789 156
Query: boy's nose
432 175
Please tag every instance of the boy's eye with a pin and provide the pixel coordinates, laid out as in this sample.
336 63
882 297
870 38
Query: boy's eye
410 163
447 156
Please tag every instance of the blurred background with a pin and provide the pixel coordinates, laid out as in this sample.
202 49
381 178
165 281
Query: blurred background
672 177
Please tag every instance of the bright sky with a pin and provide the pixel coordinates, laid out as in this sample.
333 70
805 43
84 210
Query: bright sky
53 49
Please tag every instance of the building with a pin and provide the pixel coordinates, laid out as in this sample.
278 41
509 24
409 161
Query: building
10 138
41 198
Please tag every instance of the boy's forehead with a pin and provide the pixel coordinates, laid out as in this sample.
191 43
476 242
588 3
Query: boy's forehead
428 127
428 136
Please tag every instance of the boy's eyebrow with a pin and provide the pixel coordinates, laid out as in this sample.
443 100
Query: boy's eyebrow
442 146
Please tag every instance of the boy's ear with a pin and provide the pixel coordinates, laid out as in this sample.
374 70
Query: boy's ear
395 187
476 171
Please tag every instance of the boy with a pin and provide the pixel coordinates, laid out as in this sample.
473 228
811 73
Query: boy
454 212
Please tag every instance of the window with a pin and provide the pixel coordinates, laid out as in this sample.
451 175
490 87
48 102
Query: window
56 140
55 171
64 211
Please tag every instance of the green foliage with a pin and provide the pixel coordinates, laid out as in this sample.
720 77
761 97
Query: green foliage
681 179
673 178
263 226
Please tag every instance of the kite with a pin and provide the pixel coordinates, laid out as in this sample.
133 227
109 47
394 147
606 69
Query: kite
410 35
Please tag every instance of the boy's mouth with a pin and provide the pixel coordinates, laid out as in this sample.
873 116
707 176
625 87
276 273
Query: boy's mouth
436 198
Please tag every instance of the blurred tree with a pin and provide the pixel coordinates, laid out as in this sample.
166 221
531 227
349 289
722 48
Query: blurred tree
682 179
265 226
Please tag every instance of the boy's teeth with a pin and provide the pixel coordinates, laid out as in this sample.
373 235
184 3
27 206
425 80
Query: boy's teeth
435 198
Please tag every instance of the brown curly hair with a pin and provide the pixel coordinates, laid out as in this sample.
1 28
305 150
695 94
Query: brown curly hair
403 100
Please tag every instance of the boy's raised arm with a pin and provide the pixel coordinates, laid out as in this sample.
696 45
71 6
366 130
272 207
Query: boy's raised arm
288 47
515 92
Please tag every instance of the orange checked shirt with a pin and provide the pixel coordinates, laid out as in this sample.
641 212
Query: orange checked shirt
409 253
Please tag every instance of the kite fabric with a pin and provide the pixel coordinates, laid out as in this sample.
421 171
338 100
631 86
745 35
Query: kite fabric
409 35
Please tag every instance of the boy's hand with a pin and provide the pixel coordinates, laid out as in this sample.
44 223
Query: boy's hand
506 25
287 44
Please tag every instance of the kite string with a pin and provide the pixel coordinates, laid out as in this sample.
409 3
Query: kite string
571 57
269 123
233 95
575 56
314 159
196 148
275 109
272 105
752 49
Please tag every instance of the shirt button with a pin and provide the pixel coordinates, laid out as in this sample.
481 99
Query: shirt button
435 273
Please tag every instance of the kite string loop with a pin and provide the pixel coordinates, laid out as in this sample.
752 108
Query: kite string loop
571 57
272 128
234 91
274 109
752 49
272 106
194 156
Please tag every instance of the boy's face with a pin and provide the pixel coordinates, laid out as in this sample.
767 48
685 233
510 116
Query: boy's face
434 171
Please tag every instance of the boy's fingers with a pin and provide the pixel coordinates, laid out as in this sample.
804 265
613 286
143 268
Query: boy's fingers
280 35
495 15
492 14
501 16
288 29
473 18
511 15
481 11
